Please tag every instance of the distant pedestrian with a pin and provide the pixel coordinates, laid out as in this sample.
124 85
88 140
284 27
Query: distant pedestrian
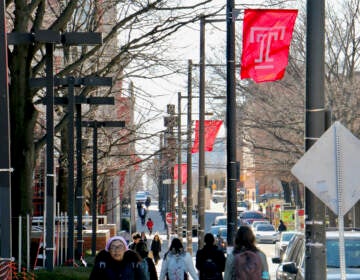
136 237
147 202
255 266
143 237
150 225
156 248
142 215
177 263
210 260
282 226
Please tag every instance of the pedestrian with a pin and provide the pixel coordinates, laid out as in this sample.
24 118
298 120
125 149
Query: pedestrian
150 225
245 248
282 226
177 263
210 260
148 264
156 248
147 202
136 237
112 263
142 215
143 237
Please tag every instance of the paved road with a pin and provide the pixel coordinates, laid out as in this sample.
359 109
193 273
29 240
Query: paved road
216 210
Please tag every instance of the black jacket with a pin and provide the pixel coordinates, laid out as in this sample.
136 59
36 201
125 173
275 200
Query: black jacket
210 252
106 268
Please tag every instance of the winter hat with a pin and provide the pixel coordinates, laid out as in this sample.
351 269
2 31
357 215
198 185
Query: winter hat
108 243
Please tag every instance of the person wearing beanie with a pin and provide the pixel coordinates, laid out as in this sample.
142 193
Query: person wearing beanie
111 263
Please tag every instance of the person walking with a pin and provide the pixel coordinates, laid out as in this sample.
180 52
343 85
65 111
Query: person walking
136 237
246 261
147 202
142 215
149 265
210 260
150 225
282 226
177 263
155 248
112 263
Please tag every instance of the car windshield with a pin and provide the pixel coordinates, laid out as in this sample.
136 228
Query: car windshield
265 228
286 236
352 253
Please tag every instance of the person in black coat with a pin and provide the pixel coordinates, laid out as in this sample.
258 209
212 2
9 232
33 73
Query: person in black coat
156 248
210 260
114 262
142 250
282 226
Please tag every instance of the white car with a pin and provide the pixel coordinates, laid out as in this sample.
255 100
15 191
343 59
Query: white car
140 197
266 233
281 245
256 223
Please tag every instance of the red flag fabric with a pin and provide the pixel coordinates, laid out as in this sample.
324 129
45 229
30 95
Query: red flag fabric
266 39
183 172
211 129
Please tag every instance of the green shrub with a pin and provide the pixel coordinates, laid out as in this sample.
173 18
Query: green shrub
62 273
125 224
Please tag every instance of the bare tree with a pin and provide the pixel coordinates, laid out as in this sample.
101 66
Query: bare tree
133 40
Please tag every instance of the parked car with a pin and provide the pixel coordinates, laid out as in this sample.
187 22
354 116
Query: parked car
266 233
248 217
221 240
242 206
219 196
140 197
256 223
281 245
214 230
292 264
222 221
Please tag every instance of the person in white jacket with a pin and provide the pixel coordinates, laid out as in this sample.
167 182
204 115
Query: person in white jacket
177 263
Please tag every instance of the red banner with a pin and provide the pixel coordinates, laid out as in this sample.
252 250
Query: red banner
267 35
183 172
211 129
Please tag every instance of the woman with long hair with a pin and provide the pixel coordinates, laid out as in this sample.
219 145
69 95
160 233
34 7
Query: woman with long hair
177 263
245 243
156 248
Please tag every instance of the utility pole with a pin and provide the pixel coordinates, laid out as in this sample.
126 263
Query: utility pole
180 209
201 198
5 164
95 125
315 261
189 199
170 122
231 122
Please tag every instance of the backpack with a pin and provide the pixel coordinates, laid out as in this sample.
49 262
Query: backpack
176 268
210 270
247 266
